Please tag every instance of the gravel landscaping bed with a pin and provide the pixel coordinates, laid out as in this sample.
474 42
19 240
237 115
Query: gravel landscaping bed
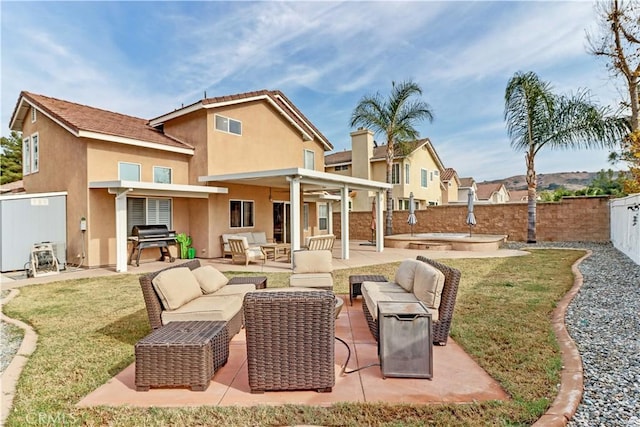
603 320
11 338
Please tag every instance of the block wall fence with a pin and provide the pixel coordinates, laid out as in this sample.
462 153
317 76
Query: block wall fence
572 219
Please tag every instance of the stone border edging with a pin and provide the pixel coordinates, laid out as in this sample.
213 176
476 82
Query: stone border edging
569 396
11 375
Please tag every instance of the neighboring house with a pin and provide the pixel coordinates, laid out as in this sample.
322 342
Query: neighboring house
463 189
417 171
450 186
492 193
245 162
518 195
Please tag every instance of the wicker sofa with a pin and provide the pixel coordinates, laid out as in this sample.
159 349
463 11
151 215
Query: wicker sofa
416 282
189 291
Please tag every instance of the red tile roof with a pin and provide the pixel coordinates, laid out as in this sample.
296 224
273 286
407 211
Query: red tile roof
484 191
448 174
466 182
379 153
78 117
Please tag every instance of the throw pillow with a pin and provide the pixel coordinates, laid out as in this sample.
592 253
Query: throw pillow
176 287
210 279
428 285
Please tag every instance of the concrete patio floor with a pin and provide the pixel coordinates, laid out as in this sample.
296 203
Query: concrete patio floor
456 378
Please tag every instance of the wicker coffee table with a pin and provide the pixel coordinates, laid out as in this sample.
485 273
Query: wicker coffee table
259 281
355 283
183 354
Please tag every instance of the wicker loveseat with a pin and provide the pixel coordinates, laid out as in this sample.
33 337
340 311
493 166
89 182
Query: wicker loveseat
170 296
407 274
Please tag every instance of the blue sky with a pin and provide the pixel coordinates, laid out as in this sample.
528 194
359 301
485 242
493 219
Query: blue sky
148 58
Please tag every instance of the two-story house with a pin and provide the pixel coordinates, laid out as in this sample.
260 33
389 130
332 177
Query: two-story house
492 193
417 170
245 162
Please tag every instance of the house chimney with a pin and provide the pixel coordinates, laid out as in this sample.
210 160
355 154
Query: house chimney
361 153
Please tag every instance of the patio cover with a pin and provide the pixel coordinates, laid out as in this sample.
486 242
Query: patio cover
305 181
123 188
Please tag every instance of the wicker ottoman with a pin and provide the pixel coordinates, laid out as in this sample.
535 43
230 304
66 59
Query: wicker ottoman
181 354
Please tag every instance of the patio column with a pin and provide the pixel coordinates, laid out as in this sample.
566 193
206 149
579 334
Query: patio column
379 222
121 230
344 219
294 197
330 219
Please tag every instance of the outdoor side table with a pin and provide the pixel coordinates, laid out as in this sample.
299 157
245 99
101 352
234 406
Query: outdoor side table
355 283
181 354
259 281
404 344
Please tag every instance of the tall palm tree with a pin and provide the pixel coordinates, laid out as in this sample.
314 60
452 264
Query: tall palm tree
537 118
395 117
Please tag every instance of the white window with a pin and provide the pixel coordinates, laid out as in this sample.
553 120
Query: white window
26 156
240 213
406 173
226 124
309 159
35 152
305 216
162 175
403 204
423 178
129 171
342 168
148 211
33 115
323 216
430 176
395 173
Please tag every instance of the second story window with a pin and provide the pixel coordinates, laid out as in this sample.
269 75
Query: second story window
406 174
342 167
309 159
226 124
128 171
161 175
423 178
395 173
26 156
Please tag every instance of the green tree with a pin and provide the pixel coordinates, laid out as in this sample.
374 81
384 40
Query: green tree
537 118
394 117
11 159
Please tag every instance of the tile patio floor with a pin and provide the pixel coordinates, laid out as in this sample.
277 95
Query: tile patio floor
457 378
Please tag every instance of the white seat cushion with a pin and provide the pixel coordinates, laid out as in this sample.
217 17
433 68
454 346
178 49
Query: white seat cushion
210 279
312 262
176 287
382 287
312 280
206 307
240 289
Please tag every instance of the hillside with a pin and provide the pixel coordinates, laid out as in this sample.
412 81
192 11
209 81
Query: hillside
549 181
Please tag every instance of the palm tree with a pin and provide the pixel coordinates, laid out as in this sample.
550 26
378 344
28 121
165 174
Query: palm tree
537 118
395 117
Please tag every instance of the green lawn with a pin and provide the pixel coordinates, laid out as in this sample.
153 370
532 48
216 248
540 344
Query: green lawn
87 329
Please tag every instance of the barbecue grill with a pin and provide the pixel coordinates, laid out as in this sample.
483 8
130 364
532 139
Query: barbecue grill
152 236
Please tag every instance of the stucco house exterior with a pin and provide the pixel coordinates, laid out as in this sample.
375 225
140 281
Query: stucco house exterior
244 162
466 184
450 186
417 171
492 193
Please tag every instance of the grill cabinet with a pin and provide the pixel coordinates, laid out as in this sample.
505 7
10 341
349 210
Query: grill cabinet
152 236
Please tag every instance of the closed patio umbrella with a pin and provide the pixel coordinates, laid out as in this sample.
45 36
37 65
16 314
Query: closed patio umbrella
471 218
412 220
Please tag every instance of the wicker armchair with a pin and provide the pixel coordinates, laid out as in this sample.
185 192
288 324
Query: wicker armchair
441 327
240 250
290 340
